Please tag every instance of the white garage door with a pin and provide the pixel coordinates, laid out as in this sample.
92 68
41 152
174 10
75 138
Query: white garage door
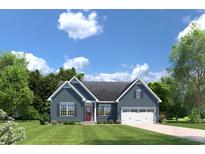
138 116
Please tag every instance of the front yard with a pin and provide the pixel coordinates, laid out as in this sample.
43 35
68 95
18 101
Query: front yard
94 135
187 124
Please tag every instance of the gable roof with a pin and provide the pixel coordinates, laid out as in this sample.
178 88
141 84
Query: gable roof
61 86
74 78
144 84
106 91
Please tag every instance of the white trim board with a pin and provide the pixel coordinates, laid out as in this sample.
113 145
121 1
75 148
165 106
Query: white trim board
50 98
84 87
138 79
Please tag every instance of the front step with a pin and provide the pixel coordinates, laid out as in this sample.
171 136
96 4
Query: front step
88 122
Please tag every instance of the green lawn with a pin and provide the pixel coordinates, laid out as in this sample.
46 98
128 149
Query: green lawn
187 124
94 134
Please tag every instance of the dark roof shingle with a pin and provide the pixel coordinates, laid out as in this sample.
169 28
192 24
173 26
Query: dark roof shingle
106 91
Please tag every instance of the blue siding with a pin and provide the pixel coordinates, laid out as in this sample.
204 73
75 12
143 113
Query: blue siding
129 100
67 95
112 116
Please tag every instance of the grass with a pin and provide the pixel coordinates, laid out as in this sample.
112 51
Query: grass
186 124
94 135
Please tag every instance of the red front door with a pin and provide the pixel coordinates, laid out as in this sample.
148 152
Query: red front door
88 112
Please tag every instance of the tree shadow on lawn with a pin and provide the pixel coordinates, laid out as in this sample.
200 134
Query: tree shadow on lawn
130 141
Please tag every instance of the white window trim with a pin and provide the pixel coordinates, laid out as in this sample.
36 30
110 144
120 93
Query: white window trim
137 91
66 82
138 79
138 108
67 103
74 77
104 115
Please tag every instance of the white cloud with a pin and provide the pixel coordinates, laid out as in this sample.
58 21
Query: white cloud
200 23
78 63
34 63
118 76
79 25
141 71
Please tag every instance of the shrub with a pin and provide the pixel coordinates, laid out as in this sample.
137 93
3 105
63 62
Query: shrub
111 122
105 122
71 122
44 118
42 121
46 123
66 122
203 115
118 122
30 113
194 116
99 122
77 122
10 133
54 122
162 118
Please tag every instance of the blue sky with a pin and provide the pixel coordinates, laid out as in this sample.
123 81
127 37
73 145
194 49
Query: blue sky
110 44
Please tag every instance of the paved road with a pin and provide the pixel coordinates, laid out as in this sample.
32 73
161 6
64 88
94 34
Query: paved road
188 133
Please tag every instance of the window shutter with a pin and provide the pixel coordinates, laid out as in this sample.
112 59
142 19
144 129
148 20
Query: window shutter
58 109
75 105
141 94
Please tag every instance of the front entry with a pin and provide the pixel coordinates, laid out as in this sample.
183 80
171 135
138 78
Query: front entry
88 112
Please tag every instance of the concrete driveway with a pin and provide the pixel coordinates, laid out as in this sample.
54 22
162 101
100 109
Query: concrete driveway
188 133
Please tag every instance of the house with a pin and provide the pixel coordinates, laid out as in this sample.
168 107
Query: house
128 102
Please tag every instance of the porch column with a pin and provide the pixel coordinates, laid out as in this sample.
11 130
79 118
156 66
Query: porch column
95 111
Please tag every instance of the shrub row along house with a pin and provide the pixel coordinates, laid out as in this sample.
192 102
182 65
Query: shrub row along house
128 102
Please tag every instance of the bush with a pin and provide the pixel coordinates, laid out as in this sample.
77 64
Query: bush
46 122
105 122
162 118
44 119
54 122
77 122
111 122
203 115
66 122
118 122
99 122
194 116
10 133
29 113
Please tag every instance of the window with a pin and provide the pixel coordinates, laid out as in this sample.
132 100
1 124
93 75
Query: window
104 109
134 110
67 109
150 110
139 93
142 110
126 110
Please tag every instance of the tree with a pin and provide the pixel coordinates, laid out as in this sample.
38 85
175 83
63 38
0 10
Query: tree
39 88
163 91
10 133
15 95
44 86
177 104
188 68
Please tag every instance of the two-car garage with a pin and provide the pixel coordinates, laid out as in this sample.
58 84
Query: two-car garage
137 115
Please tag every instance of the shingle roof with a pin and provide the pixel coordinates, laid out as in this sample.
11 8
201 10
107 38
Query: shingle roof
106 91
